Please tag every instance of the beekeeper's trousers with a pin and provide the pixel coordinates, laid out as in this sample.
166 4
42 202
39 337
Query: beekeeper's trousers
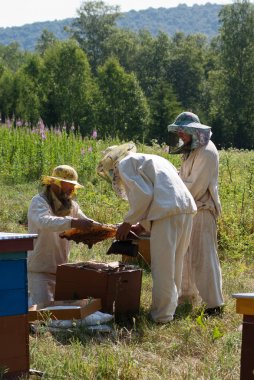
168 244
41 287
202 272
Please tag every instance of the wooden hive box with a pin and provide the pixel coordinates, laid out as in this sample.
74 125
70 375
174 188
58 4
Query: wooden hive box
119 288
14 346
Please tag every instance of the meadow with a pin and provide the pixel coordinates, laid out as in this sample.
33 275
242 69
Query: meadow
192 346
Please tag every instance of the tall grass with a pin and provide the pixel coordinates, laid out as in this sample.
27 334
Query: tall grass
191 347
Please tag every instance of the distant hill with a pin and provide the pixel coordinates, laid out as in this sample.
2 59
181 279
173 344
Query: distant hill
190 20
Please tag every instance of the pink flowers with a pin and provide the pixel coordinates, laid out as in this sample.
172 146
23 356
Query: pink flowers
83 151
42 129
94 135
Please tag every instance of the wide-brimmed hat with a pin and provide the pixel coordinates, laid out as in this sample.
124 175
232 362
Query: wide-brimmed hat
62 173
188 122
185 118
112 156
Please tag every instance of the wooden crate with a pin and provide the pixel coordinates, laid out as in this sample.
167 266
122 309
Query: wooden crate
119 289
76 309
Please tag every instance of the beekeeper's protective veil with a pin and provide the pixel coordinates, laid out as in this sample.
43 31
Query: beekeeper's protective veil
108 165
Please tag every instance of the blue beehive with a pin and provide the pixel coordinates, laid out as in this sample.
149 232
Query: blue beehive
14 334
13 285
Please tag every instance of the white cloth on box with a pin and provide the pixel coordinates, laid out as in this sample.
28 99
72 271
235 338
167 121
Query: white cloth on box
49 249
202 272
97 318
89 329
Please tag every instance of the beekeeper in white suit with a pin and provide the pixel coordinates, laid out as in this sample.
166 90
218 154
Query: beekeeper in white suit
199 171
160 203
51 212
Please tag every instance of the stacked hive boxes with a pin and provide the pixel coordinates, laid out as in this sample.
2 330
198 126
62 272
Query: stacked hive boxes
14 334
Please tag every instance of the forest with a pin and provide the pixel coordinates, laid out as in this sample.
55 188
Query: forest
131 85
169 20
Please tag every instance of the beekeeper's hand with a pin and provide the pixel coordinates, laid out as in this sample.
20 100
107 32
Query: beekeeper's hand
81 223
137 229
122 231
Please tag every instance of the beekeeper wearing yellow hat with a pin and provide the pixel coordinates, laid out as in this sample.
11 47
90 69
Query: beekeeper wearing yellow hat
51 212
159 202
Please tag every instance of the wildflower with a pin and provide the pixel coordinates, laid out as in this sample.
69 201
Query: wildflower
41 125
82 152
94 135
9 123
166 149
57 131
90 149
43 136
42 129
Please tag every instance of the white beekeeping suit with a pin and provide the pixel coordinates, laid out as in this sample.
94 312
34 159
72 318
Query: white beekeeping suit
199 171
162 204
48 215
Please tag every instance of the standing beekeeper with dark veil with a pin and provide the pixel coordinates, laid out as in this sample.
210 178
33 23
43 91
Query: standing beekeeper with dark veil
159 202
199 172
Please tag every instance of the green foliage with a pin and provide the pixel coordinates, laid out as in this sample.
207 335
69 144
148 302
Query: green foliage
124 111
236 226
164 108
46 40
68 87
95 24
6 94
186 69
237 54
28 91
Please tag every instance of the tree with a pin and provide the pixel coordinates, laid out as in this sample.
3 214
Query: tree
124 109
151 60
92 28
46 40
68 87
123 45
186 69
164 109
237 57
12 56
28 92
6 94
27 102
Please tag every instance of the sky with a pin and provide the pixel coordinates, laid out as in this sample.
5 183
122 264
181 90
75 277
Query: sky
20 12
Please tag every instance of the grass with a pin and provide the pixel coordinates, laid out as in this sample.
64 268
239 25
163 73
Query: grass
192 346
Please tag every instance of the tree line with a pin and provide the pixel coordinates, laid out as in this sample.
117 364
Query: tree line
132 85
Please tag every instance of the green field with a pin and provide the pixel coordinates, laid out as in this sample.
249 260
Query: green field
191 347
